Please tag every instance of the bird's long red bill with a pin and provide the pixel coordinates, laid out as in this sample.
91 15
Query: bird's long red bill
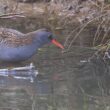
57 44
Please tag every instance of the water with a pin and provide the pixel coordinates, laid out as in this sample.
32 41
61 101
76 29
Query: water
65 81
49 89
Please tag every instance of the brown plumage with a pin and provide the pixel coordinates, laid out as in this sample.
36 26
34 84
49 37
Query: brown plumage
14 38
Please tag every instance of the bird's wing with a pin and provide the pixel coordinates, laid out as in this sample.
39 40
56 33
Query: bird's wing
13 38
5 33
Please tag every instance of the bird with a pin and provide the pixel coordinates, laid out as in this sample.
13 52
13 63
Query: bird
16 46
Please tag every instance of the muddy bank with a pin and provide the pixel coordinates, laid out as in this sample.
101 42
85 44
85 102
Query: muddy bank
83 23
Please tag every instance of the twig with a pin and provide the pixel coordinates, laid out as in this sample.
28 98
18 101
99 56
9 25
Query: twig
83 29
94 4
97 33
11 15
92 96
106 33
16 6
70 35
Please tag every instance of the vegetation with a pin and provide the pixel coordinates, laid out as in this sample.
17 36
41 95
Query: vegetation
80 22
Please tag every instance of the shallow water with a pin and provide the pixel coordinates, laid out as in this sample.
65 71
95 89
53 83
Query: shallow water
51 88
64 82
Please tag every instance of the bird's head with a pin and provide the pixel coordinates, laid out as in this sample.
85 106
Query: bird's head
44 37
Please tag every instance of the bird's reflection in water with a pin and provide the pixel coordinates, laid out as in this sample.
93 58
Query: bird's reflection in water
26 78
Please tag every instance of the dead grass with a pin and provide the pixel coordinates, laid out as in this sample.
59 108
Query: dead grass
59 14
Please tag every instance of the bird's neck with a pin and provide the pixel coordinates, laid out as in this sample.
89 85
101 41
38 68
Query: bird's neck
36 40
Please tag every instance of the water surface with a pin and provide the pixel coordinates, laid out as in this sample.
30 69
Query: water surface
66 81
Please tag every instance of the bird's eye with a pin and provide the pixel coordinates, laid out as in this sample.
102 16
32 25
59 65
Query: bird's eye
50 37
